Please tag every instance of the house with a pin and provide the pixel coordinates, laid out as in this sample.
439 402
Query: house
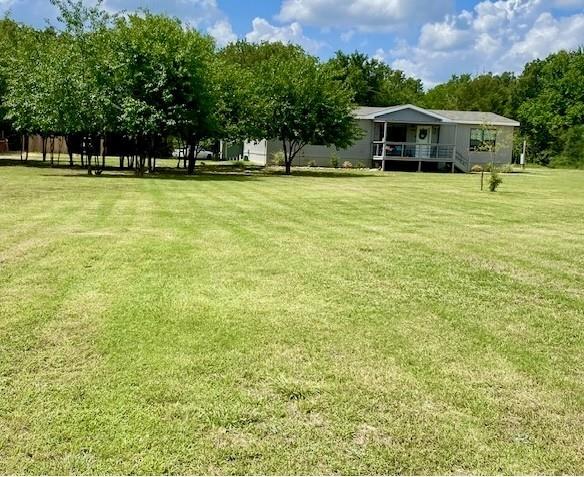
410 134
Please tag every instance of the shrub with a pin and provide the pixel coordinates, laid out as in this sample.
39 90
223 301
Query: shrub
360 165
495 180
278 158
334 161
488 167
347 165
311 164
246 158
477 168
507 169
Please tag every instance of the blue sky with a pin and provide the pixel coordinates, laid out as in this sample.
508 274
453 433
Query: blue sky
428 39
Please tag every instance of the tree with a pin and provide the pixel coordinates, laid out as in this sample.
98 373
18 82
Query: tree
549 99
486 92
298 102
372 82
10 36
164 84
572 154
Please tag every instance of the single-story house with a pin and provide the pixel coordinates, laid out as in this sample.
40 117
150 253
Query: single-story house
407 133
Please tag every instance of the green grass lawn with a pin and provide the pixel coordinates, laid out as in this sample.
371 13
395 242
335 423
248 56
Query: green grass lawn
321 323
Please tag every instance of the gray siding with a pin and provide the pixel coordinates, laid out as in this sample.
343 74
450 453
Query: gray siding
448 134
409 116
503 150
361 151
262 153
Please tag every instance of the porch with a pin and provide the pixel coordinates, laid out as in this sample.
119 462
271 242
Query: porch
415 142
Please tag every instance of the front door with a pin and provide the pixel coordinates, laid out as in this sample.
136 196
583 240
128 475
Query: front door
423 141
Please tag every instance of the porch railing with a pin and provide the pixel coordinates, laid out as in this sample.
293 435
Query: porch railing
410 150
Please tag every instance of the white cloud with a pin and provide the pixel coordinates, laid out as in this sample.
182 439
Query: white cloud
442 36
347 36
223 33
262 30
495 36
197 13
547 35
569 3
364 15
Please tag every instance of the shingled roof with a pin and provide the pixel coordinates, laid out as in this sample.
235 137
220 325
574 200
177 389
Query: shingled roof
447 116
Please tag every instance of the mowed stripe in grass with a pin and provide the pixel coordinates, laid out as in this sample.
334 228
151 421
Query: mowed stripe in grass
322 323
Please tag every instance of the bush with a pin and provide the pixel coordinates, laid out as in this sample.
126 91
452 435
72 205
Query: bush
245 158
278 158
495 180
360 165
507 169
334 161
311 164
347 165
477 168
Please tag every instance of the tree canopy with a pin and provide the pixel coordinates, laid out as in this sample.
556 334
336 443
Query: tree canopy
373 82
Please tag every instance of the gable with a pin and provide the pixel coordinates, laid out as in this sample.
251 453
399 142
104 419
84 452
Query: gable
408 115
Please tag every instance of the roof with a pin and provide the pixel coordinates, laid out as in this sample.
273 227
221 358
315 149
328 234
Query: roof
475 117
446 116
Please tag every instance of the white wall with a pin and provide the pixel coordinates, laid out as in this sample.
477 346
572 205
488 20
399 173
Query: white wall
256 152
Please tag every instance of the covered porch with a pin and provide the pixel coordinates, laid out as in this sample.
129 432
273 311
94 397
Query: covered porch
428 142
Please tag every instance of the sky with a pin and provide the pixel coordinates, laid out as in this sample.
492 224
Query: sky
428 39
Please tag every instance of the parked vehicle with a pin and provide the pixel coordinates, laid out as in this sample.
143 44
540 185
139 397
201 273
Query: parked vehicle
181 153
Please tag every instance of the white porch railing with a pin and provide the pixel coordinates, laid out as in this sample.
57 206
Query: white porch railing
413 151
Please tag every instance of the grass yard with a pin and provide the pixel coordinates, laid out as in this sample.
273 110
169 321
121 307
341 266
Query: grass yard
315 324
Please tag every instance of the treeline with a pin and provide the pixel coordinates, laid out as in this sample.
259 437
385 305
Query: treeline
547 98
137 86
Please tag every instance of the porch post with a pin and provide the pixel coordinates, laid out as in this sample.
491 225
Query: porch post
384 145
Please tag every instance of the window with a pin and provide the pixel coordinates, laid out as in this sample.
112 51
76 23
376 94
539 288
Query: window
482 139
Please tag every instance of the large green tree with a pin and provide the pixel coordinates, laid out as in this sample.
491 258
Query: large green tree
373 82
549 100
297 101
163 83
487 92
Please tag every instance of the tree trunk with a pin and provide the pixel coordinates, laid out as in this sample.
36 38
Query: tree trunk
44 147
52 150
122 163
69 150
192 160
288 164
